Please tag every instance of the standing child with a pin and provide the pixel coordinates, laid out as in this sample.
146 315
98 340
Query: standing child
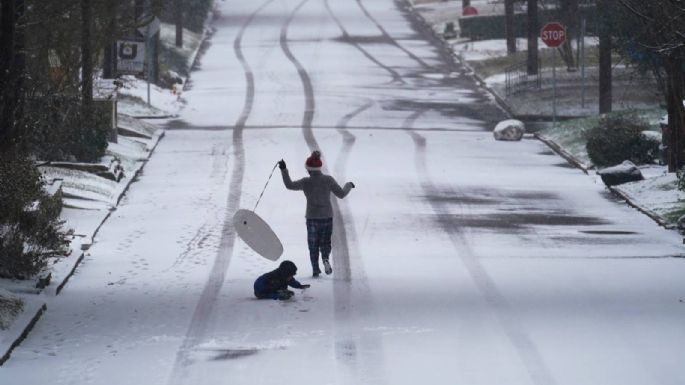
274 284
317 188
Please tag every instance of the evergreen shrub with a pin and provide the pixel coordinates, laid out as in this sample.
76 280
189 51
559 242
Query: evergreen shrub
619 137
30 228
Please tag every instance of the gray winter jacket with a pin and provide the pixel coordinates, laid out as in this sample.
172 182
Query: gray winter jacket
317 188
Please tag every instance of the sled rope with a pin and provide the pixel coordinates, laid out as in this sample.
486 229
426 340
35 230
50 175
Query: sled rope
264 189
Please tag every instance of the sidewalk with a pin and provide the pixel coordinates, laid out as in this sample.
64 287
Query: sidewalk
89 199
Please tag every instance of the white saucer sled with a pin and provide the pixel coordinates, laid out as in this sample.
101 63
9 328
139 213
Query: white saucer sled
257 234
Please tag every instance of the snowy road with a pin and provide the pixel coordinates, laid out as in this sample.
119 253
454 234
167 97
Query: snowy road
458 259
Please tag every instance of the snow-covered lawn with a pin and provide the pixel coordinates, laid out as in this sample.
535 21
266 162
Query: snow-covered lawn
658 193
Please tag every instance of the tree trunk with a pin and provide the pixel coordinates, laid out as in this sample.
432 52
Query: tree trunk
138 10
605 98
569 12
86 59
7 28
676 114
509 26
6 38
465 3
178 18
110 56
19 65
533 32
12 62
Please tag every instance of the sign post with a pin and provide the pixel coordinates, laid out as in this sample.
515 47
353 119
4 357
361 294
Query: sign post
554 35
149 30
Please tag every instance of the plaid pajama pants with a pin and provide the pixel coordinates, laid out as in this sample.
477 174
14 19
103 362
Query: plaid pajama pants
319 233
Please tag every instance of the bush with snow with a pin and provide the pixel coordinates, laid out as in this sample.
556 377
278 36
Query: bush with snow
30 228
620 137
10 307
510 130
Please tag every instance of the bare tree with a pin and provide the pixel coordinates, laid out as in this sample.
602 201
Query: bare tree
86 59
12 70
657 29
509 26
569 12
178 19
533 32
605 75
109 57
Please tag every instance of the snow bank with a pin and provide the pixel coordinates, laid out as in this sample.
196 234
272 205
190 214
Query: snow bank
130 126
10 307
509 130
620 174
18 315
133 99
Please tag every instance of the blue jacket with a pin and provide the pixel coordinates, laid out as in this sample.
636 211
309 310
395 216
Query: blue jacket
268 285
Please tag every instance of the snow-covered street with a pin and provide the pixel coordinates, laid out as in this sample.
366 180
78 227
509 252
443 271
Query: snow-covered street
457 259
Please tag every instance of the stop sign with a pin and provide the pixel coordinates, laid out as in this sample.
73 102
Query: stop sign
553 34
469 11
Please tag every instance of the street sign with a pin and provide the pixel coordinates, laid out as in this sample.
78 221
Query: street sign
151 28
130 56
553 34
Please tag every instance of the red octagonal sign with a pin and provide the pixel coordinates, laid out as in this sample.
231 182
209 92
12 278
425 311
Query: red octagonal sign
553 34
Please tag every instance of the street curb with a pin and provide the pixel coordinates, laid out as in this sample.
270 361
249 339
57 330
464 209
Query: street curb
655 217
563 153
41 308
160 117
447 48
550 143
66 278
577 163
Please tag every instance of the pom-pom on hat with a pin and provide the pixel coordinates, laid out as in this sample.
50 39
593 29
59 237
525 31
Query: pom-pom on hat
314 163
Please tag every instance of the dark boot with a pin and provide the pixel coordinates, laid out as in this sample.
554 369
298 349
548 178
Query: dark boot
315 266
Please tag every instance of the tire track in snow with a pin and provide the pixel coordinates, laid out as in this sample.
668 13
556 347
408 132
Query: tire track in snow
396 77
504 312
341 257
346 350
390 38
371 365
205 306
348 138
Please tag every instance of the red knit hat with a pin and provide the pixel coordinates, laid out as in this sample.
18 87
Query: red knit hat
314 163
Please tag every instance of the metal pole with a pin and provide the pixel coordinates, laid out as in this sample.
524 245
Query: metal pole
149 65
554 82
583 25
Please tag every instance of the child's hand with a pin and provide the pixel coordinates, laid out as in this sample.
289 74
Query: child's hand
305 286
